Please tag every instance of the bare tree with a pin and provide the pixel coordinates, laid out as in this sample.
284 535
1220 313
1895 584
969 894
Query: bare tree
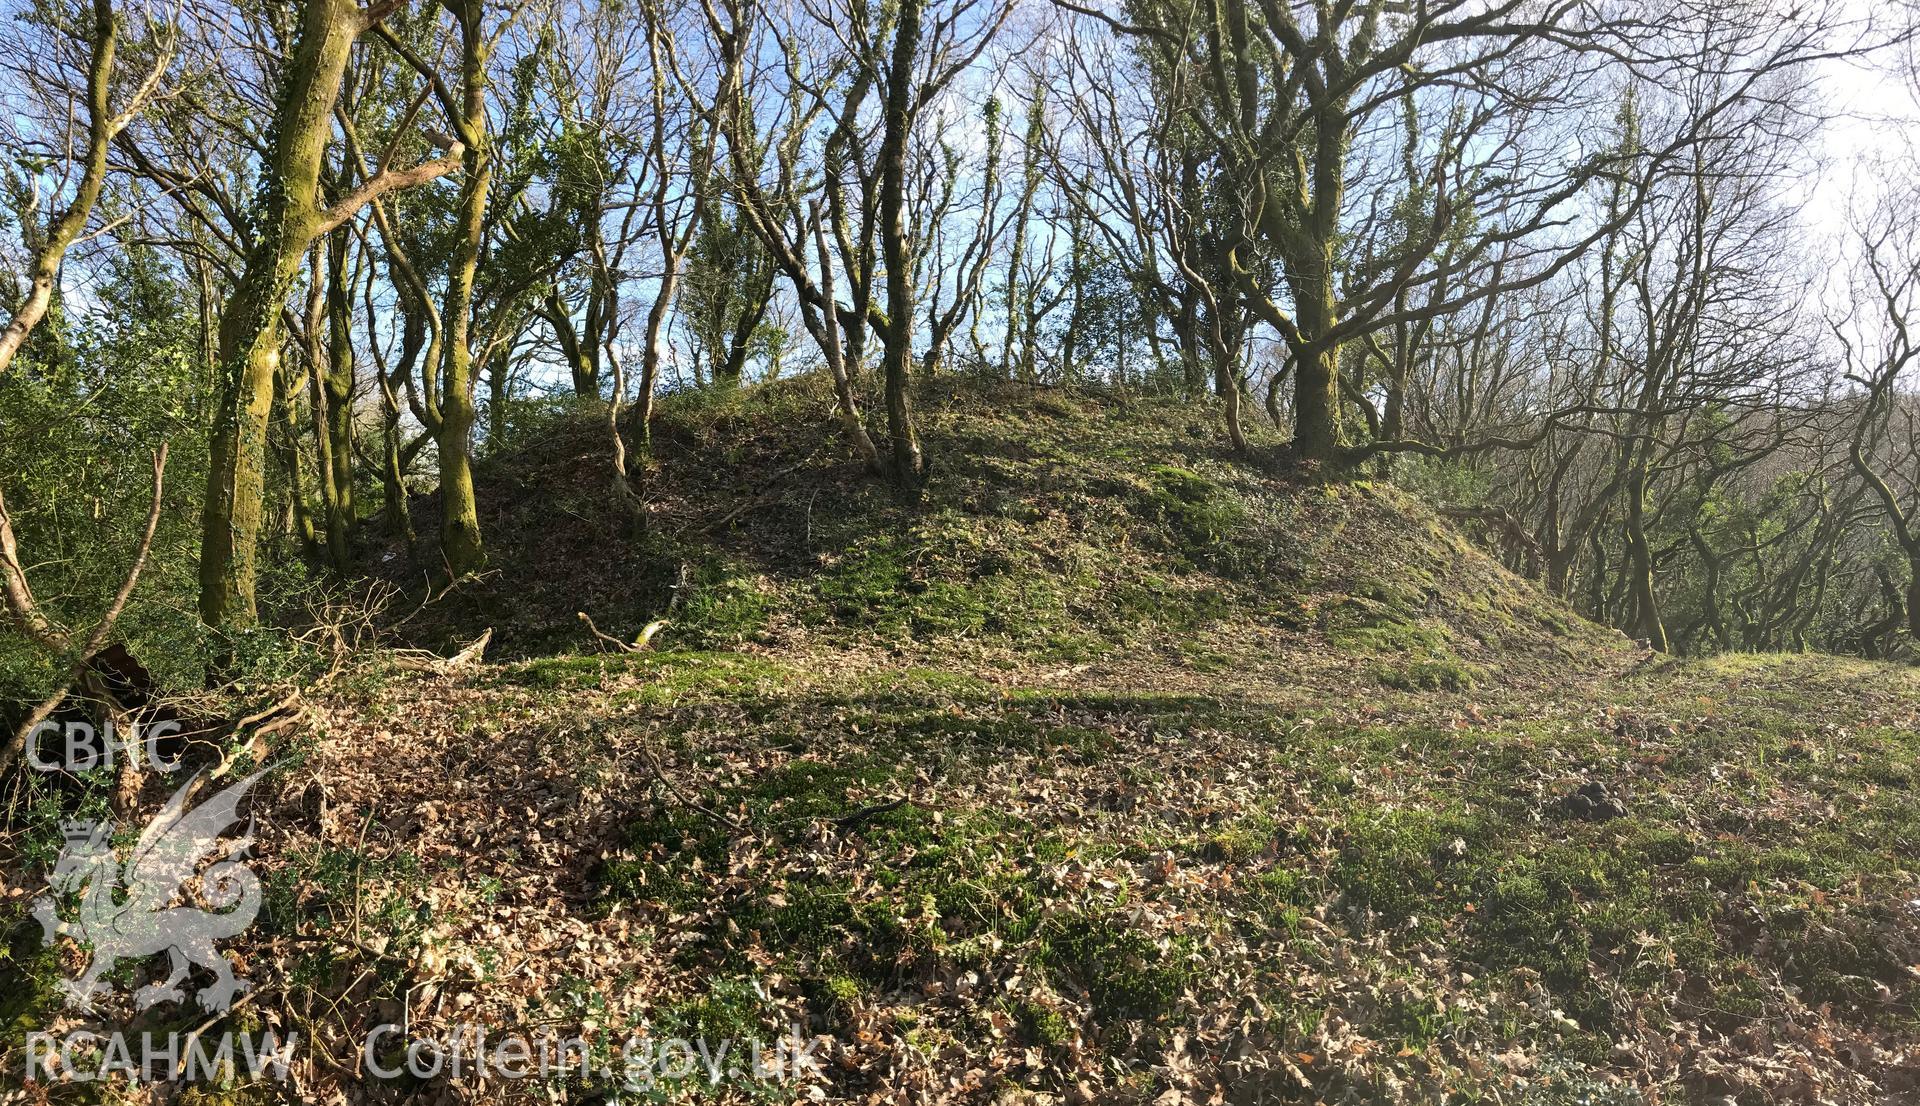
1879 351
900 60
102 42
1289 99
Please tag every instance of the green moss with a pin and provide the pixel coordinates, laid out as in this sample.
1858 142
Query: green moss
1042 1025
1242 840
1395 863
731 1010
1196 514
1277 897
1429 675
1659 845
1361 626
1126 971
565 672
663 675
727 604
947 576
675 848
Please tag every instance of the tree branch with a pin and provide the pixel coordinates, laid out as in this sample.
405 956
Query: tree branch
388 180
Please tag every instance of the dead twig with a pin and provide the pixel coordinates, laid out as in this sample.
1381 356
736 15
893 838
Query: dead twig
433 596
639 644
193 1038
848 821
660 775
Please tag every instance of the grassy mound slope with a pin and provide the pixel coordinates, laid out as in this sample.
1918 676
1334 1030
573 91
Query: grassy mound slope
1058 528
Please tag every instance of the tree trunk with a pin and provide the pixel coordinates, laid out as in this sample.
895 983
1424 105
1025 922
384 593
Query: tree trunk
1076 260
1714 565
393 467
333 403
582 358
650 352
898 336
1644 597
1316 380
1030 183
740 342
1553 539
498 371
392 479
250 332
298 519
460 544
1597 581
1226 376
836 365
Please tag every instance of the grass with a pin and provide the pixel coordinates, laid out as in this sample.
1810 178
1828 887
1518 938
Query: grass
1401 837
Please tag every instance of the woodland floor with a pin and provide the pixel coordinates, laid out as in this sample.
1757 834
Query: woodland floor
1061 799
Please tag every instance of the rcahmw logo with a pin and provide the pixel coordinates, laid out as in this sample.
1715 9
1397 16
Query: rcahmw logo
83 1056
126 912
142 924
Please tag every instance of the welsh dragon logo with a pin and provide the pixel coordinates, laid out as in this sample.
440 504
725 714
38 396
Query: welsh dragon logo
140 922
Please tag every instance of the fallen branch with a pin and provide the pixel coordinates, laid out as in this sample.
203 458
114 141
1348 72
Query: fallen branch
266 722
474 651
749 505
848 821
691 803
422 661
639 644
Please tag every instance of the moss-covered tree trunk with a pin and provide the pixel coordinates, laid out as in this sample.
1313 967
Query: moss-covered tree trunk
499 391
296 510
460 543
1316 395
394 461
1305 224
287 217
753 309
337 384
582 356
1032 149
896 249
1644 597
319 358
1900 518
